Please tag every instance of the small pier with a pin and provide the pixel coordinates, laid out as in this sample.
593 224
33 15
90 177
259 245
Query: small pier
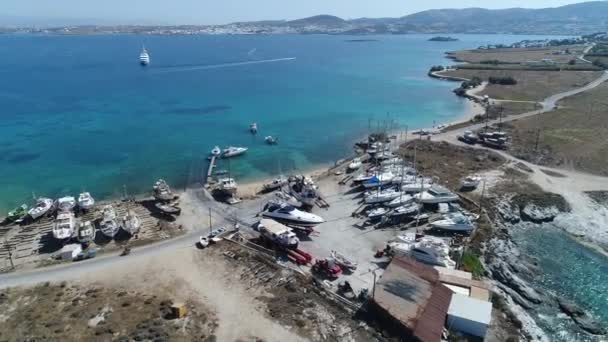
212 161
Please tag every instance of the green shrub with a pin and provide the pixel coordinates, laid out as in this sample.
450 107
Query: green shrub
471 263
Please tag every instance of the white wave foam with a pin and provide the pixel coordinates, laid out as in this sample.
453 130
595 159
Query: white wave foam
222 65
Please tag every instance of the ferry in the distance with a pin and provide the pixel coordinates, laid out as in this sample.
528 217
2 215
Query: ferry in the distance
144 57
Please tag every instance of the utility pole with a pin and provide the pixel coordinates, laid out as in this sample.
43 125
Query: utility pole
210 229
10 253
483 191
500 117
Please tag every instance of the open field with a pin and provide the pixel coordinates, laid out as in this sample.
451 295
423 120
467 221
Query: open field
518 56
531 85
570 137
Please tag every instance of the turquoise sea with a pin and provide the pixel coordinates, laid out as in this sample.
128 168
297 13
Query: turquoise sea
78 112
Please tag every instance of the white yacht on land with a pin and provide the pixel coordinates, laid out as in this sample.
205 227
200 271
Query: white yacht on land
381 196
437 194
85 201
276 183
379 180
43 205
355 164
401 200
109 225
64 225
131 222
232 151
304 190
228 185
144 57
86 232
417 184
456 222
287 214
471 182
162 191
66 203
429 250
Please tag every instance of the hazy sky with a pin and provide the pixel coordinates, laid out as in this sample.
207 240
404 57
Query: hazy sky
224 11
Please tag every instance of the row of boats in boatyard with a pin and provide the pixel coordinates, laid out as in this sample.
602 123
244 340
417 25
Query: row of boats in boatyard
44 206
111 224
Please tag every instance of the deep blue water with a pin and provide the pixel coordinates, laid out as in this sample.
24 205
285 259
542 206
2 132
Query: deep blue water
79 112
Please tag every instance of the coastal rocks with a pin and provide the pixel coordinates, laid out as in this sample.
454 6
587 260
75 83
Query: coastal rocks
533 213
583 319
508 212
503 273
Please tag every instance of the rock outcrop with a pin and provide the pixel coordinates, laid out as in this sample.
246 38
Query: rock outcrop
582 318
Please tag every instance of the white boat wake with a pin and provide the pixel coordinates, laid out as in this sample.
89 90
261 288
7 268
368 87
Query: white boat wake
222 65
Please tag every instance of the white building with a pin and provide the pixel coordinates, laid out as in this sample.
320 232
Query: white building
469 315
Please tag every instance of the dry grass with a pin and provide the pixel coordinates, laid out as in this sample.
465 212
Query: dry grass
508 108
58 312
572 136
518 55
531 85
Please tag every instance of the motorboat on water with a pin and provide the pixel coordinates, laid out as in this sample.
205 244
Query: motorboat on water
216 151
85 201
109 224
278 233
379 180
131 222
428 250
471 182
289 215
144 57
162 191
456 222
270 140
18 213
66 203
43 206
64 225
376 213
232 151
86 232
275 183
381 196
253 128
437 194
228 185
402 199
355 164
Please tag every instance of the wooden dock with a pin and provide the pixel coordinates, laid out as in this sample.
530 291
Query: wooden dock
210 169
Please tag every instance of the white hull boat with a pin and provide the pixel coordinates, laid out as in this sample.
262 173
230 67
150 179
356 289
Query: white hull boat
131 223
343 261
109 225
381 196
376 213
253 128
404 210
471 182
162 191
380 180
417 185
270 140
401 200
43 205
85 201
305 191
64 226
456 222
66 203
276 183
355 164
144 57
427 250
228 185
437 194
362 178
289 215
86 232
232 151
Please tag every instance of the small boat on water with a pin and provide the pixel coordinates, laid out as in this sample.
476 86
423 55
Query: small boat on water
162 191
232 151
109 224
470 182
168 209
64 225
43 205
216 151
253 128
456 222
275 183
18 213
66 203
131 222
144 57
85 201
228 185
287 214
86 232
270 140
355 164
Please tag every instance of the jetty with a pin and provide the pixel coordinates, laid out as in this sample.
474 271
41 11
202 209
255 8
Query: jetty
212 162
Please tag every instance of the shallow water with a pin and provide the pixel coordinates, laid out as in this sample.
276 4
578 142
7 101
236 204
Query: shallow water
78 112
